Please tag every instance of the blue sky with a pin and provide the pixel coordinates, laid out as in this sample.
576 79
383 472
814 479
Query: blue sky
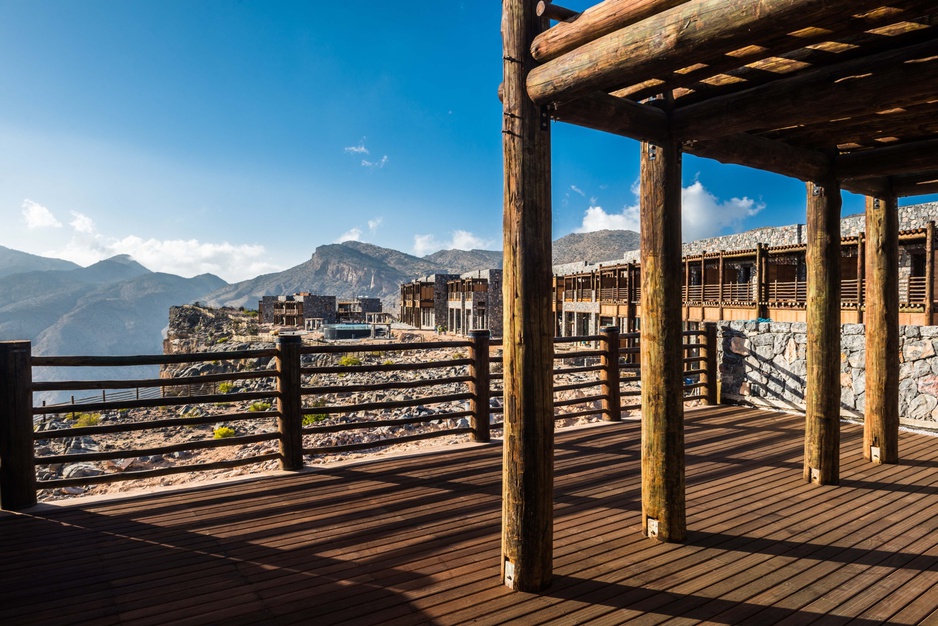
235 137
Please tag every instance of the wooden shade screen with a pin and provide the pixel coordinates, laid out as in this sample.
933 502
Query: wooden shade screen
789 86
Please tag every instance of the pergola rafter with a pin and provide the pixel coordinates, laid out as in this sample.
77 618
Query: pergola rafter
840 94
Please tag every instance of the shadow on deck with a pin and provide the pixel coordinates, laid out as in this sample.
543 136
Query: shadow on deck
416 540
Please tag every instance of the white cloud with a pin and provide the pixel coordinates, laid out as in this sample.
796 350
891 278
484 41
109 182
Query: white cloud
703 214
38 216
375 164
458 240
184 257
576 189
359 149
425 244
374 223
595 218
82 223
352 234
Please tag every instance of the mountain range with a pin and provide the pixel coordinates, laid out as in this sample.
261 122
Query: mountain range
118 306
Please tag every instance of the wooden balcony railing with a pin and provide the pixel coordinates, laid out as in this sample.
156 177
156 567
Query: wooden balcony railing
310 392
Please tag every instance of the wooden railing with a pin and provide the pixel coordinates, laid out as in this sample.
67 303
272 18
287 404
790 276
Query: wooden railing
310 394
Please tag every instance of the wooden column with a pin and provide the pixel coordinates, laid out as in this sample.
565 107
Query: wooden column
709 370
929 272
528 469
761 276
480 385
822 395
662 355
17 452
881 415
289 404
720 288
861 276
609 375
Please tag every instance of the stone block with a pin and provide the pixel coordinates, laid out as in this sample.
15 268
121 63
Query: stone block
914 350
921 406
854 329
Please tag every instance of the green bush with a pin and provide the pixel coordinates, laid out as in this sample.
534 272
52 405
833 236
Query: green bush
388 362
315 418
84 420
223 432
459 355
348 361
257 407
222 340
225 387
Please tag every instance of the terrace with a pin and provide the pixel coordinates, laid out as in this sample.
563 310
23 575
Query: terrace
415 539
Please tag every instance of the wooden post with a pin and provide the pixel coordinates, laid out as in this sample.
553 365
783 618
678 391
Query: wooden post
480 386
720 288
929 272
709 351
686 297
290 422
760 261
17 451
822 396
881 414
662 353
609 374
528 467
861 277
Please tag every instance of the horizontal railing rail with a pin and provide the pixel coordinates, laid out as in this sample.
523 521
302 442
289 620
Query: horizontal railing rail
283 404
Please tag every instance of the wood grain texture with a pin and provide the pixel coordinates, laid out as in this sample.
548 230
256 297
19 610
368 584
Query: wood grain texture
661 343
527 509
691 32
822 393
881 411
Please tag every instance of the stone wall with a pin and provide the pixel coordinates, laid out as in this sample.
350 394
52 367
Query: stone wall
910 217
763 363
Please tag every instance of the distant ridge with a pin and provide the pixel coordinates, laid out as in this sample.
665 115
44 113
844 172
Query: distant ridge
600 245
16 262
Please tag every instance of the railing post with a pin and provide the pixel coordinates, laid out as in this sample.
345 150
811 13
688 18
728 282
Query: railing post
609 374
929 272
480 386
710 365
289 403
17 451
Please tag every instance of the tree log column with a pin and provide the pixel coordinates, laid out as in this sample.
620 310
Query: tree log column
881 413
662 356
528 467
822 396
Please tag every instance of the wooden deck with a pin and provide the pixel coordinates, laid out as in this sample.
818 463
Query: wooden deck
416 540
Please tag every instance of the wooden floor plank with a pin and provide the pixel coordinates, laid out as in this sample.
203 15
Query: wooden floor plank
415 539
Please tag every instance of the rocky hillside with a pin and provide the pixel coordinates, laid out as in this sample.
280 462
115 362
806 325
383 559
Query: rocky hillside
601 245
461 261
353 269
16 262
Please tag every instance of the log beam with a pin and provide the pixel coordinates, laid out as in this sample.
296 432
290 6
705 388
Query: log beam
897 78
527 483
618 116
663 505
763 154
822 396
907 158
596 21
554 12
663 42
881 410
916 185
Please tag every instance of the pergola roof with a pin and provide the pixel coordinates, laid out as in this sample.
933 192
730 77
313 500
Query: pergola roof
792 86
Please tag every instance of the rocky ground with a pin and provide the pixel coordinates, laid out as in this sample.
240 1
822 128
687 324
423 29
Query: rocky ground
237 416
